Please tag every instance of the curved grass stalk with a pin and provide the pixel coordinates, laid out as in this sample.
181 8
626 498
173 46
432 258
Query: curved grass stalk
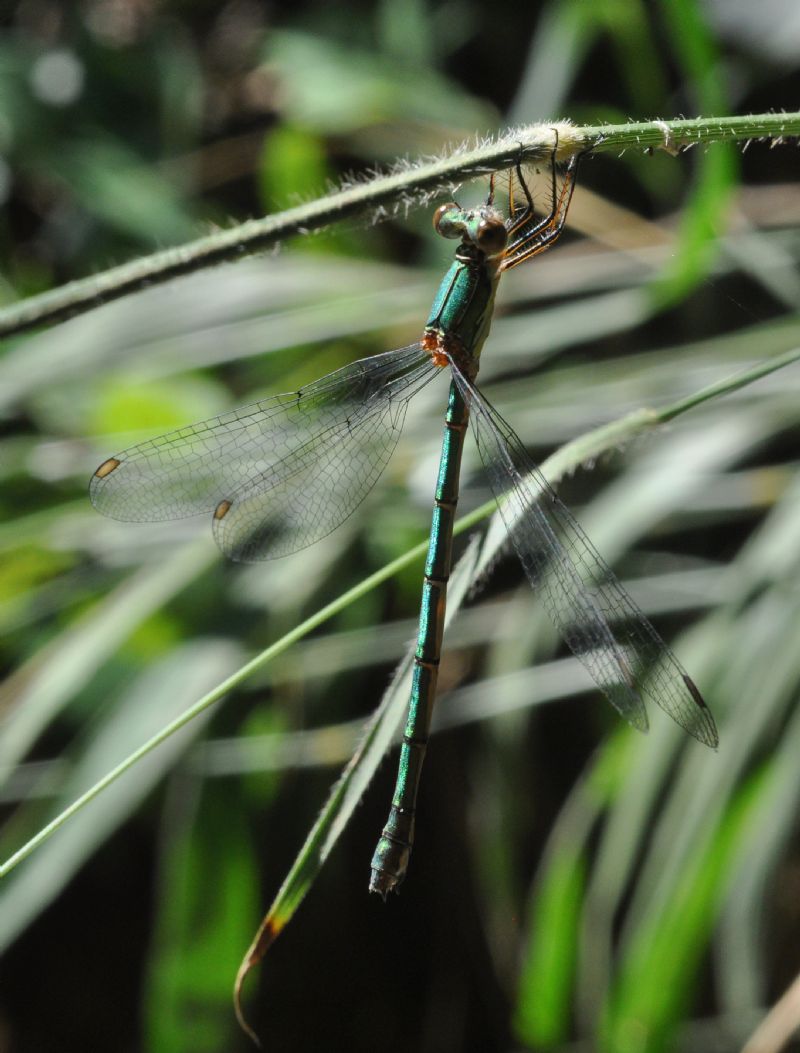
394 191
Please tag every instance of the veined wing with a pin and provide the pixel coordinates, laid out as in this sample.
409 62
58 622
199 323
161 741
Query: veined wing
278 474
606 630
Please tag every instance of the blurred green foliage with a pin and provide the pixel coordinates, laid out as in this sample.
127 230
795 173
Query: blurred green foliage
574 885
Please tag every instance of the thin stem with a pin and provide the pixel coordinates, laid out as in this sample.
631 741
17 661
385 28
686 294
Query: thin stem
729 384
222 689
563 461
396 190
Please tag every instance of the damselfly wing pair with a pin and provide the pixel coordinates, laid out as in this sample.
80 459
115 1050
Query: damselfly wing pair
284 472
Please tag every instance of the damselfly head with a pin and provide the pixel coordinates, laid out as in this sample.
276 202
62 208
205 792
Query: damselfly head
482 227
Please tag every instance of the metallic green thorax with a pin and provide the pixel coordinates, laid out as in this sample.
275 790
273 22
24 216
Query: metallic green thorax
463 307
458 325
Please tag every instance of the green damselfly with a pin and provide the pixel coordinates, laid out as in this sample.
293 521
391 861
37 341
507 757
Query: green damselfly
282 473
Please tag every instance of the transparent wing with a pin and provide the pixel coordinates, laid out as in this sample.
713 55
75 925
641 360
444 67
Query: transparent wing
278 474
596 617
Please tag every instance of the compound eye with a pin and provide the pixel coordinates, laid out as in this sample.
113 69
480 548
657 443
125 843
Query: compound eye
447 220
492 236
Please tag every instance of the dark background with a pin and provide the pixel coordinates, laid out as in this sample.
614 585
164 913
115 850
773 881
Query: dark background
574 885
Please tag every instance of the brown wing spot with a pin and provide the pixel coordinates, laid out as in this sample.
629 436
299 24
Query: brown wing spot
107 467
694 691
222 509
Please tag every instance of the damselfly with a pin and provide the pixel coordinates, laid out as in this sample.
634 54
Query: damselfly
282 473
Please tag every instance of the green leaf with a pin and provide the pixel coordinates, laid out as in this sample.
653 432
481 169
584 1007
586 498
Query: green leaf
112 183
48 681
657 980
370 88
166 687
704 218
542 1014
207 896
293 167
